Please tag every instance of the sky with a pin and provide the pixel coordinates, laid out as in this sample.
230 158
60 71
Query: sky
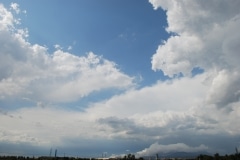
112 77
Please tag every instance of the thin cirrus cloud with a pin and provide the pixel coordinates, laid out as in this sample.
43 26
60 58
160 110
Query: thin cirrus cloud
183 113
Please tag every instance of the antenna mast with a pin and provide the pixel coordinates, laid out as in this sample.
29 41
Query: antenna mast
55 153
50 154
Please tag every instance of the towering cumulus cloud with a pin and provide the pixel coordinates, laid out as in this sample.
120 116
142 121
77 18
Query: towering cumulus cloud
205 35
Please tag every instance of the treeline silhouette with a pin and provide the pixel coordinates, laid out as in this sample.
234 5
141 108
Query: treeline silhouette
42 158
216 156
39 158
127 157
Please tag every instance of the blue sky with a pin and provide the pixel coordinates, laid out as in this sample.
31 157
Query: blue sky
121 33
143 77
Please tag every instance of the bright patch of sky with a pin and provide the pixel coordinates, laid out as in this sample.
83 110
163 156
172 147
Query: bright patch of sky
89 77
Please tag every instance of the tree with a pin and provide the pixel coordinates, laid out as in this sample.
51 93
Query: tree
216 156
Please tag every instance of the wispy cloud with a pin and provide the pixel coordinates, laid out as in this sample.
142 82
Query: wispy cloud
15 7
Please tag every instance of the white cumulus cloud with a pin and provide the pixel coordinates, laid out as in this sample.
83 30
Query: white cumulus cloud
31 71
206 37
